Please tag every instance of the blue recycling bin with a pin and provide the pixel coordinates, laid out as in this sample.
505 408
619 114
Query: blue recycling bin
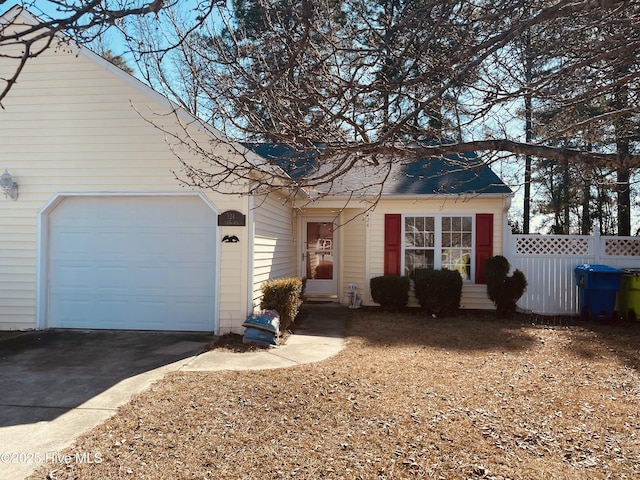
598 286
262 328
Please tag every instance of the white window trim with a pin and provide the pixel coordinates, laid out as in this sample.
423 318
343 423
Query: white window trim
437 244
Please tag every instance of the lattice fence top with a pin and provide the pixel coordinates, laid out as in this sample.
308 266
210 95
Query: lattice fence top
622 247
544 245
549 263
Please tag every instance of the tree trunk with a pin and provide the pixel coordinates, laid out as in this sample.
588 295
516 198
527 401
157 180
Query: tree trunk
527 166
624 200
566 198
586 204
623 130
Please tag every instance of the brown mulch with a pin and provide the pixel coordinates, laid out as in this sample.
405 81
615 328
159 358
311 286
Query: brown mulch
410 397
233 342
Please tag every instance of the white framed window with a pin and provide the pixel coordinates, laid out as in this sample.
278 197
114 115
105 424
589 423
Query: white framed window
438 241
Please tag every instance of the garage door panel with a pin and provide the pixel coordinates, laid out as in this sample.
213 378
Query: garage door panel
114 244
73 214
188 313
199 213
133 263
112 278
153 245
136 313
77 277
131 313
151 279
116 211
70 243
189 278
72 311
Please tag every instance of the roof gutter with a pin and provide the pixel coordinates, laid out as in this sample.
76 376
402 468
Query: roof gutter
431 196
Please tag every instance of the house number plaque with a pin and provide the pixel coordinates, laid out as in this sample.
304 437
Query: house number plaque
232 218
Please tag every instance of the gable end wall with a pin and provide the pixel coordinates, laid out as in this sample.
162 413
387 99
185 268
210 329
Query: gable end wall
71 126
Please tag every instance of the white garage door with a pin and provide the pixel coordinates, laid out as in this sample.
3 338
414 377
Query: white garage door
139 263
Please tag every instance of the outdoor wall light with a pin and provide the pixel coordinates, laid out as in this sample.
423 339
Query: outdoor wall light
8 186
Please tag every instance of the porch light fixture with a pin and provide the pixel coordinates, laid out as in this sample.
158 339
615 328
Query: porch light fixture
8 186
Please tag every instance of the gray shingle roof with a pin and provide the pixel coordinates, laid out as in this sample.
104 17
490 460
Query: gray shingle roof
454 174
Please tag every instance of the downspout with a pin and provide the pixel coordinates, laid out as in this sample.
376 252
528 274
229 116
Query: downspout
367 248
506 229
251 233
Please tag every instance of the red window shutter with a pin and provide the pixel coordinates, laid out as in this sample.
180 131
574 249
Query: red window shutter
484 243
392 243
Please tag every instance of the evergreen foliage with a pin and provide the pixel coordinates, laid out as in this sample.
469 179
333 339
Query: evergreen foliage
503 290
390 291
438 291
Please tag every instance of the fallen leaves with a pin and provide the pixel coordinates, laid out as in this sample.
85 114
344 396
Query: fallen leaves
460 398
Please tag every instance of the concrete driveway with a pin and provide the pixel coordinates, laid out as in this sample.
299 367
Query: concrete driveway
54 382
56 385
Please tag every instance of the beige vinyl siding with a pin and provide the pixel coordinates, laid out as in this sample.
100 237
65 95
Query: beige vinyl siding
70 125
275 246
233 281
353 252
472 295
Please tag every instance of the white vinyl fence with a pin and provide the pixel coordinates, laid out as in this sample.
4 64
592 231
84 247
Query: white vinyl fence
548 262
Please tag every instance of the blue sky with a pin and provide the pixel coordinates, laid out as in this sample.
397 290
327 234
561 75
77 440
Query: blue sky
46 9
114 41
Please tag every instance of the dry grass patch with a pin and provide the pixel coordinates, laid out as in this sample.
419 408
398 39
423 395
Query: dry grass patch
457 398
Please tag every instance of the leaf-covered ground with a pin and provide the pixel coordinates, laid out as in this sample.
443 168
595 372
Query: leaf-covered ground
410 397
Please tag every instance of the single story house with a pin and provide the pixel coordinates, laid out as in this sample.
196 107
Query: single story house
96 232
395 215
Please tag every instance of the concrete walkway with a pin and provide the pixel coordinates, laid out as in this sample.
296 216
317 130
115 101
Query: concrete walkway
24 447
320 336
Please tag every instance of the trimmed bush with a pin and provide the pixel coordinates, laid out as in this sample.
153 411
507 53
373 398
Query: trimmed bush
285 296
304 287
503 290
438 291
390 291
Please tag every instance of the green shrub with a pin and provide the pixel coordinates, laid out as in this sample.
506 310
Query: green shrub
438 291
285 296
390 291
304 287
503 290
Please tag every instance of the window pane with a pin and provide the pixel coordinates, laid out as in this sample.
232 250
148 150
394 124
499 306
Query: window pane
409 239
458 260
453 239
466 240
409 224
456 239
446 239
417 259
429 224
319 250
456 234
409 231
419 232
429 240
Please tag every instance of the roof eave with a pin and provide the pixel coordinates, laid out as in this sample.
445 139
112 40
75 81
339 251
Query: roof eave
430 196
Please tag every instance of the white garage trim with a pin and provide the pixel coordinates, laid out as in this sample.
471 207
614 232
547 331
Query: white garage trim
44 243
